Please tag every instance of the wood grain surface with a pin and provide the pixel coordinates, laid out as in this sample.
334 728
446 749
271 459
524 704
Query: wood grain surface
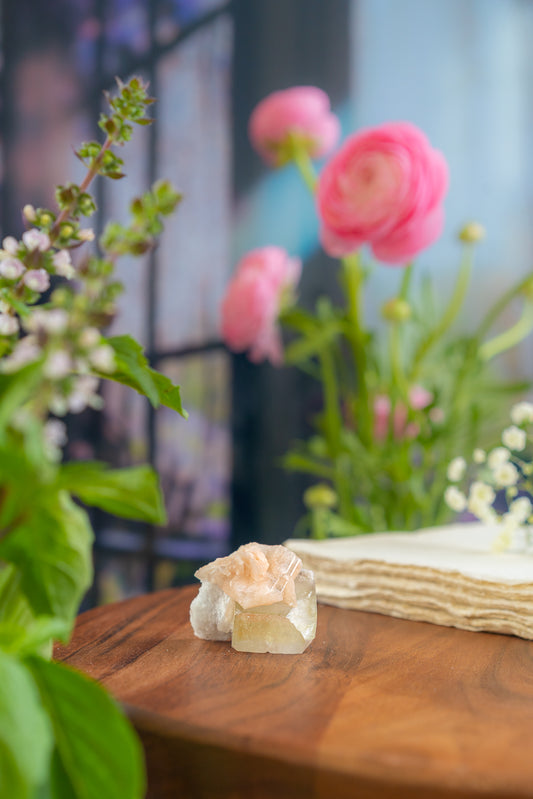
376 707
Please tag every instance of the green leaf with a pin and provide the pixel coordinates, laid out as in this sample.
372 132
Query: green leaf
51 548
33 638
15 389
305 347
134 370
25 732
98 753
132 493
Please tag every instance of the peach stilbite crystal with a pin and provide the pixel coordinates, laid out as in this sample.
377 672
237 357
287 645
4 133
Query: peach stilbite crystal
260 597
256 574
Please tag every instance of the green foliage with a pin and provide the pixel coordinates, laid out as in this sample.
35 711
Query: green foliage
61 735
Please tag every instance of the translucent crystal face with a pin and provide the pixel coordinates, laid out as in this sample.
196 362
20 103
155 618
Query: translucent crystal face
279 628
260 597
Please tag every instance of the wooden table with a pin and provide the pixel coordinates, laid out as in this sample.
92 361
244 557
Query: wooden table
377 707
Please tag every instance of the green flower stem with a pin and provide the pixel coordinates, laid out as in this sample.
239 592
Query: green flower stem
511 337
398 374
304 164
500 305
450 313
84 185
353 275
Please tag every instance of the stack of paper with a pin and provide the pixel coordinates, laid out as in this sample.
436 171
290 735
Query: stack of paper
444 575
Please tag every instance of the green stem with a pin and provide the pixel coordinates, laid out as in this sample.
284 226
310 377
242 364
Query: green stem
303 162
395 339
511 337
332 414
450 313
500 305
353 275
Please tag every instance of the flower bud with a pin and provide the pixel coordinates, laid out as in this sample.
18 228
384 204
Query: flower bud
63 264
10 245
396 310
37 280
86 234
11 268
29 213
8 325
471 233
36 240
320 496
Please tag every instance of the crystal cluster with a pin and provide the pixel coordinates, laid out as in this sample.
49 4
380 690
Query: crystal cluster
260 598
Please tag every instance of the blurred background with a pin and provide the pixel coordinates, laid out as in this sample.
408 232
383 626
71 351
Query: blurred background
459 69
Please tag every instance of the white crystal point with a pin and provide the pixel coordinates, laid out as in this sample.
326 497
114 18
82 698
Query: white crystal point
255 574
211 613
279 628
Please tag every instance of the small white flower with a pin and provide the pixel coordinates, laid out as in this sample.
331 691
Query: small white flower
10 245
520 509
505 475
36 240
498 456
87 234
455 499
55 433
58 405
29 213
103 359
456 469
63 264
11 268
58 365
514 438
89 337
479 455
84 394
482 492
8 325
37 280
522 412
53 321
482 510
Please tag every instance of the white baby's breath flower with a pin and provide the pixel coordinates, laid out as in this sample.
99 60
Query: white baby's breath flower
522 412
482 492
456 469
8 325
514 438
10 245
36 240
479 455
498 456
11 268
63 264
455 499
57 365
505 475
37 279
483 510
103 359
520 509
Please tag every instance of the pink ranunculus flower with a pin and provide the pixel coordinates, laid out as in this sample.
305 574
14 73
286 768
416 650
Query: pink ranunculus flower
263 281
419 398
385 188
303 111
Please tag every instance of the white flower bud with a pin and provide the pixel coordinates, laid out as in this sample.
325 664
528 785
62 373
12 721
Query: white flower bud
55 433
522 412
53 321
8 325
58 365
29 213
87 234
103 359
514 438
10 245
58 405
11 268
455 499
456 469
37 280
36 240
89 337
63 264
479 455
